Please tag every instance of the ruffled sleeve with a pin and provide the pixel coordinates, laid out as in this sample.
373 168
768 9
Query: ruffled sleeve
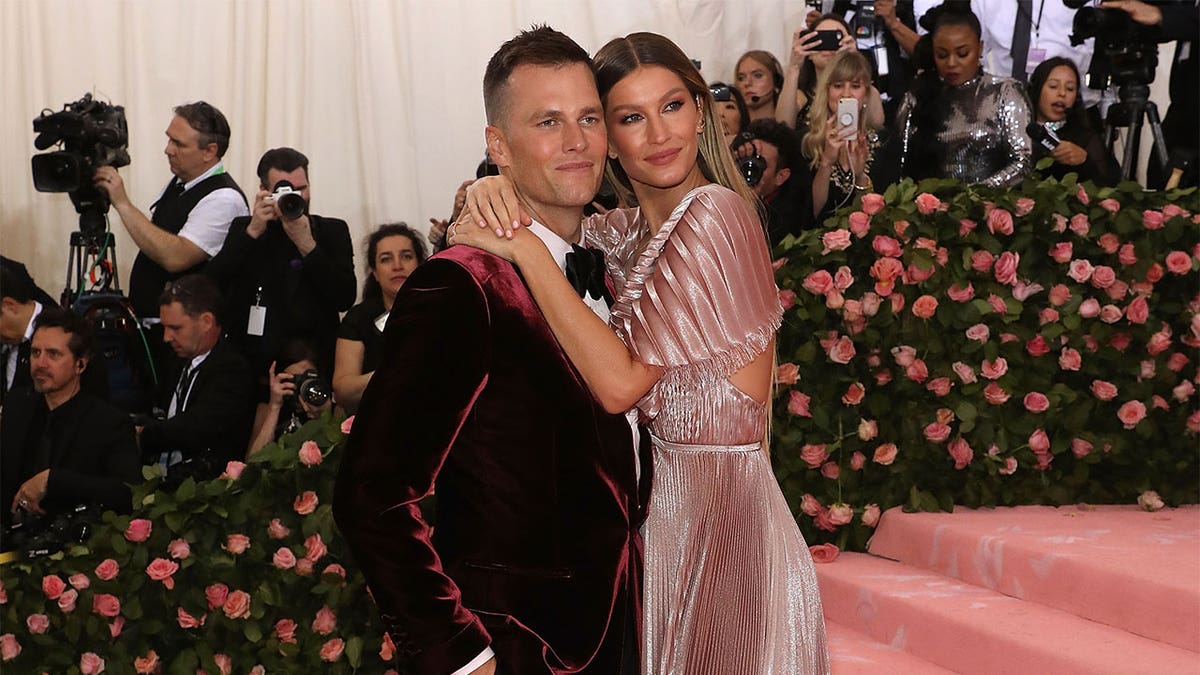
703 292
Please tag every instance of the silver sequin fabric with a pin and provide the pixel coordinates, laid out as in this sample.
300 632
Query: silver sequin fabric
729 582
984 141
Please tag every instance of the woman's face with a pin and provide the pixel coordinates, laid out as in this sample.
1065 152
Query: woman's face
731 117
840 89
755 82
653 122
822 58
1058 94
956 52
395 259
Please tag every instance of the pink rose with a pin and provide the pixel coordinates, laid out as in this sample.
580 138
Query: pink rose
1193 422
965 373
1171 210
900 226
940 386
1105 391
233 470
1069 359
787 299
1127 255
79 581
236 544
53 586
186 620
1059 295
809 505
870 515
870 303
1037 346
1010 466
277 530
937 432
66 601
872 203
1179 262
1062 252
798 404
224 663
966 226
1155 273
904 355
237 605
347 424
1183 391
332 650
1089 309
841 514
834 299
309 454
314 548
334 569
994 370
1131 412
1110 205
1047 315
818 283
387 650
813 454
91 663
835 240
959 294
1080 224
216 594
1000 221
843 278
9 647
1006 268
860 223
961 452
1138 311
883 377
997 303
148 664
106 605
885 454
842 351
138 530
853 396
867 429
1177 361
161 569
179 549
978 332
325 621
1080 448
37 623
1150 501
981 261
1036 402
787 374
1039 442
306 503
886 246
1025 205
831 470
1103 276
1060 222
925 307
1090 343
285 630
927 203
115 626
284 559
917 371
1109 242
885 271
897 301
107 570
995 394
857 461
1152 220
824 553
1110 314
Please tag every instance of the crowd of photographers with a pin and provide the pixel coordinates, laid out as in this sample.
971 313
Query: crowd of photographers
245 303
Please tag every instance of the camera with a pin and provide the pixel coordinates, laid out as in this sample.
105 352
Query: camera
864 21
290 202
37 536
311 388
92 134
752 166
1126 52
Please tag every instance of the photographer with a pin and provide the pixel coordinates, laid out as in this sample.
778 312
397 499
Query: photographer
208 393
775 148
299 392
285 272
61 446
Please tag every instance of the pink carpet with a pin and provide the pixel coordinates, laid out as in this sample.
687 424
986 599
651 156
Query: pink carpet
1020 590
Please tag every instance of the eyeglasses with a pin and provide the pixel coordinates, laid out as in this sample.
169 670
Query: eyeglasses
721 93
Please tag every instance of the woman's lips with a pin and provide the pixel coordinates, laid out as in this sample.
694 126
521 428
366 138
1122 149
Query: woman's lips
663 158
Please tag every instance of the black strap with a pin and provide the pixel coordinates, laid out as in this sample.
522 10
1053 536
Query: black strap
1020 43
585 271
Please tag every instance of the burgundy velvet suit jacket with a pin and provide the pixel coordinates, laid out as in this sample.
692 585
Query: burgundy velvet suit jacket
538 505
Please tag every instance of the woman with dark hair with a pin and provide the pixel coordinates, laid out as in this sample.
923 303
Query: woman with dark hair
1054 91
735 117
957 121
287 408
729 584
393 252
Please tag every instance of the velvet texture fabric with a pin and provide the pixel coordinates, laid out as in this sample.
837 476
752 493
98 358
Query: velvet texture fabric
536 547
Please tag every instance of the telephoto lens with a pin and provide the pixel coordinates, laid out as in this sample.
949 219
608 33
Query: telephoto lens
291 203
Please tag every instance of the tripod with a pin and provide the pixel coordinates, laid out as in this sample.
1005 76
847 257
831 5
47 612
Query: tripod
1132 106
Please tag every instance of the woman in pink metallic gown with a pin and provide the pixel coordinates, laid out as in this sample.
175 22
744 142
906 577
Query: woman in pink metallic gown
729 583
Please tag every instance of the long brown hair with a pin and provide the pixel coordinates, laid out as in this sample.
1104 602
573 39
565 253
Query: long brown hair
622 56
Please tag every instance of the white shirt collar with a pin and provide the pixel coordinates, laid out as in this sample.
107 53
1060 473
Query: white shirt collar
558 247
219 167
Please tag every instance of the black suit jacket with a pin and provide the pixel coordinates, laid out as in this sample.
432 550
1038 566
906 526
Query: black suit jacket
93 452
536 547
219 413
303 294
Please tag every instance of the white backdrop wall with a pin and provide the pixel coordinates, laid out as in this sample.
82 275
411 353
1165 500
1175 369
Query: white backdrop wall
384 96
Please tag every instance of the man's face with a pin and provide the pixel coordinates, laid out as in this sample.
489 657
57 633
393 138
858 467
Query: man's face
187 159
298 179
773 176
552 143
183 333
51 363
12 324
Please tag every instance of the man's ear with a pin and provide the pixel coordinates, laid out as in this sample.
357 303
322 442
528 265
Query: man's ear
81 364
781 176
207 321
497 146
210 152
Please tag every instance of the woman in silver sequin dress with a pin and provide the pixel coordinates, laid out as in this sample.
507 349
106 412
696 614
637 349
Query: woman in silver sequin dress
958 121
729 583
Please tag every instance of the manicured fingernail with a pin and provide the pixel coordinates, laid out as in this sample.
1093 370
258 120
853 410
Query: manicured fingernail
499 232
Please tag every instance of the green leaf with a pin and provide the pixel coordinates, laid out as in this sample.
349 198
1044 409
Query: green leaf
354 648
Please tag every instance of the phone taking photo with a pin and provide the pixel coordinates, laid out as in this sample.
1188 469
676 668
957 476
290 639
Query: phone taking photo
829 40
847 116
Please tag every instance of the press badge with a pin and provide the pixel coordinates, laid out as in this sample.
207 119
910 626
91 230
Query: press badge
257 321
1036 56
881 60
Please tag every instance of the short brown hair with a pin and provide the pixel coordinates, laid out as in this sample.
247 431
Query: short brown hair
538 46
195 293
208 122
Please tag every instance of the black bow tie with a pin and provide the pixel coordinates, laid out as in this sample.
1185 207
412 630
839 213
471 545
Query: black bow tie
585 271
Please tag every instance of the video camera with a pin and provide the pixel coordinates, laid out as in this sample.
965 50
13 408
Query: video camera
37 536
1126 52
752 166
92 134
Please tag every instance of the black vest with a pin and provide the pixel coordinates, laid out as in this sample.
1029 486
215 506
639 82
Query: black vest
147 279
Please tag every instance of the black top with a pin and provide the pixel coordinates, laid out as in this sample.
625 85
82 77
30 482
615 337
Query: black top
303 295
359 325
885 170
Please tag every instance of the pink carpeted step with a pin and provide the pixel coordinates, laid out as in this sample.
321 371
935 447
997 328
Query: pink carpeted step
1118 565
852 653
971 629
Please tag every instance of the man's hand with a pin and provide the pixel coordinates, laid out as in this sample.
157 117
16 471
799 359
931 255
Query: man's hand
488 668
885 9
1147 15
31 493
107 180
263 212
300 232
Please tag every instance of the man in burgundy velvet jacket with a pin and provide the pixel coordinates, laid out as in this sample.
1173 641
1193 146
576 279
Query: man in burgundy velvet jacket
535 566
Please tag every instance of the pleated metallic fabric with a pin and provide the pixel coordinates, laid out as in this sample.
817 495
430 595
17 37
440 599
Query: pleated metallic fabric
729 582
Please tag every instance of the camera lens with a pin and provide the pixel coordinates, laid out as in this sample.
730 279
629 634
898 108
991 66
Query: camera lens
291 205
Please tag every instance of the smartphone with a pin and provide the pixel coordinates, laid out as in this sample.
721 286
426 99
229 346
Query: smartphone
847 116
829 40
